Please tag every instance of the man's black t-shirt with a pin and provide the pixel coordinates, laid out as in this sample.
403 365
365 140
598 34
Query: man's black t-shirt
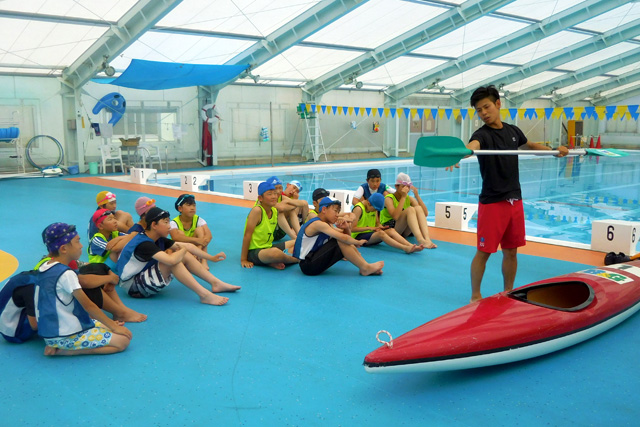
500 174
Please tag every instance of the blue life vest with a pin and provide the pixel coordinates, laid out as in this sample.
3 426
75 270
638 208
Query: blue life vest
14 324
128 266
367 192
305 244
55 318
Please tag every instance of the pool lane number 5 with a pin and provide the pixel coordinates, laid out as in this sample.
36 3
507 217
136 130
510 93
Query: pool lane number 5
447 212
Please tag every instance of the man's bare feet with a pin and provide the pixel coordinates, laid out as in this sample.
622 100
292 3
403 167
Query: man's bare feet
277 265
475 298
221 286
129 315
372 269
50 351
213 299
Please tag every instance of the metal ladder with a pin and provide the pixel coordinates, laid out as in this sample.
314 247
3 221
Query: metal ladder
314 139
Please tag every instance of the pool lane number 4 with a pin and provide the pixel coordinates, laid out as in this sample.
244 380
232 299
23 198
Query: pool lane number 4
615 236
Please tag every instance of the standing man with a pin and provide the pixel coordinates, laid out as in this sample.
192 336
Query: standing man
500 211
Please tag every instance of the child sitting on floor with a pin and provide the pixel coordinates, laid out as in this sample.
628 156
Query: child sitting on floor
143 204
63 311
368 226
320 245
150 260
407 215
107 200
257 243
189 227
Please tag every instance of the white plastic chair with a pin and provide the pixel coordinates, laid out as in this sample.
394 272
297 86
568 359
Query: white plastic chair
111 153
150 152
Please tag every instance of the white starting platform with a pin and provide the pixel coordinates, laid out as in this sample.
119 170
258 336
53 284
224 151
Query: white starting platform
345 197
612 235
454 215
250 189
191 182
142 175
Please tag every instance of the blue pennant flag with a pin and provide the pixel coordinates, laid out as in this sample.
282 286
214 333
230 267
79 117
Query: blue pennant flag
610 111
368 111
548 112
324 109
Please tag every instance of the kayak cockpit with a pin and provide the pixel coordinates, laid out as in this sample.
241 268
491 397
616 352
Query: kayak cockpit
564 296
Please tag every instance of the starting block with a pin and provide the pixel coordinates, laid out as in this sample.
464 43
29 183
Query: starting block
615 236
192 182
141 175
345 197
250 189
454 215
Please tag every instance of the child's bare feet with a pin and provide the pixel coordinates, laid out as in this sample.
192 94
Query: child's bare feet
50 351
129 315
277 265
413 248
429 245
372 269
213 299
221 286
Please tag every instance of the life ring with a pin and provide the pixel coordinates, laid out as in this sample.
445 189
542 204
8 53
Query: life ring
214 112
115 103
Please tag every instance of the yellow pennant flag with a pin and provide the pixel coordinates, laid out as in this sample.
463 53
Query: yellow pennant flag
540 112
386 112
600 111
456 113
521 113
308 107
504 113
350 110
557 113
577 113
441 113
414 112
471 112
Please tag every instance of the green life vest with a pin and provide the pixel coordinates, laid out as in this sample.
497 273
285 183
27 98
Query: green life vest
262 236
100 258
385 216
190 232
367 219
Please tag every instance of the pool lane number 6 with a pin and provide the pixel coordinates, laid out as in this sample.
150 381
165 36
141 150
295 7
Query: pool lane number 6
610 234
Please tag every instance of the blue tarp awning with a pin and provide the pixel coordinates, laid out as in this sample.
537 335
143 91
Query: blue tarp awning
152 75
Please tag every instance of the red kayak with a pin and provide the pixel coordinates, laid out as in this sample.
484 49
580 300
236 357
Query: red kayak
529 321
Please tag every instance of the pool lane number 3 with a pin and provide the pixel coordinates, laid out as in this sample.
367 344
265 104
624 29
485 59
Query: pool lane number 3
610 233
447 212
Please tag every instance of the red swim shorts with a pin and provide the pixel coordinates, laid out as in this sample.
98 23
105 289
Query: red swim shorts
500 223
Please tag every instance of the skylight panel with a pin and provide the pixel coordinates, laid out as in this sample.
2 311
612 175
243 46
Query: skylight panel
537 9
375 23
257 18
542 47
111 10
612 19
532 81
398 70
581 85
304 63
472 36
471 77
601 55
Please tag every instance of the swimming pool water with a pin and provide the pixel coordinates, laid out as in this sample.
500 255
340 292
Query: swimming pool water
561 196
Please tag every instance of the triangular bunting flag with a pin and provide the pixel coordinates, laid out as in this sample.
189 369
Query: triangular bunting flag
393 112
368 110
349 110
386 112
414 112
406 112
513 113
344 110
590 112
448 112
504 113
314 108
420 112
441 113
610 111
356 110
548 112
334 108
434 113
324 109
463 113
456 113
568 112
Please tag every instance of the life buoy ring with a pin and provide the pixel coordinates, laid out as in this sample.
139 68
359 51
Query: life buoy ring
115 103
214 112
